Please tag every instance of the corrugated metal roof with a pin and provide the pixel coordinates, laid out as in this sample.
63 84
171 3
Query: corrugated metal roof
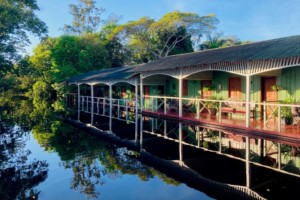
104 75
270 49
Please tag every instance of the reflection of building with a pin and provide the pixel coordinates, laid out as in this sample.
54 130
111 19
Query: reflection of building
251 87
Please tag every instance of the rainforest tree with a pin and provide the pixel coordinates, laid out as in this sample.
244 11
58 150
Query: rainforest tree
157 39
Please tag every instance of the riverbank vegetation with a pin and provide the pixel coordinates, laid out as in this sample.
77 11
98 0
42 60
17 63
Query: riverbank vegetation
89 43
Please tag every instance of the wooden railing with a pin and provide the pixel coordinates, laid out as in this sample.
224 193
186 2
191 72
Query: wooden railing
263 111
215 109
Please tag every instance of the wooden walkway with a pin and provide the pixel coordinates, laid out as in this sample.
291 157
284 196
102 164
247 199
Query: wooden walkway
289 134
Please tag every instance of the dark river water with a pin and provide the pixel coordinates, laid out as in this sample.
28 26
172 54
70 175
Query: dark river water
122 156
44 158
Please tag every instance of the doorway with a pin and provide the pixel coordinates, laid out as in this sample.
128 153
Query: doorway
268 94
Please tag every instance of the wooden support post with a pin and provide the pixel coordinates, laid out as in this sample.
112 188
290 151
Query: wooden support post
110 99
198 109
110 108
265 113
136 128
103 106
118 109
248 99
78 102
141 93
165 128
92 106
220 112
220 141
279 118
141 132
180 144
180 97
165 105
136 98
152 104
97 105
279 156
247 160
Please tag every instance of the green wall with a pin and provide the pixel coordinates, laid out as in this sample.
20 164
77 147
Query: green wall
289 80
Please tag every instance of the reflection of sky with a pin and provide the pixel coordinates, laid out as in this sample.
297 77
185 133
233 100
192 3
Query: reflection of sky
130 187
57 184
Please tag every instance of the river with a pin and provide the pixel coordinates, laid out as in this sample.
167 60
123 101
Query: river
121 156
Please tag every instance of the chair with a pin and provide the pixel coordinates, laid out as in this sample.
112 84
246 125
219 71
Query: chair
296 116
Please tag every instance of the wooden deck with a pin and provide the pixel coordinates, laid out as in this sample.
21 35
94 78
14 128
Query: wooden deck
289 134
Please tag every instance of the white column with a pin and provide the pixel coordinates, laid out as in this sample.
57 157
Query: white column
165 128
78 102
110 108
136 129
141 93
136 98
180 97
248 96
180 144
141 133
92 106
248 177
279 156
220 141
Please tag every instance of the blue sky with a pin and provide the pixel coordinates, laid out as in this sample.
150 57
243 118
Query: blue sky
253 20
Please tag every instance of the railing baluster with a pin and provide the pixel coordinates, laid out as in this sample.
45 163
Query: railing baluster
279 118
118 108
165 105
265 113
103 106
220 112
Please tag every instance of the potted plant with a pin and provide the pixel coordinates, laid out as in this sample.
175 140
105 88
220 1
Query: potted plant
286 111
213 106
207 87
276 88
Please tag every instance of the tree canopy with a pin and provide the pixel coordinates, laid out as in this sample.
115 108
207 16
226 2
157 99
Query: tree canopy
17 19
159 38
86 18
217 40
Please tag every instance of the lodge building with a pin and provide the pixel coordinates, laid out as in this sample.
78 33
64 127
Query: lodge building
251 89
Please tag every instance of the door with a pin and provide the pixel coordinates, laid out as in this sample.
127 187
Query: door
147 90
206 93
267 94
185 88
235 88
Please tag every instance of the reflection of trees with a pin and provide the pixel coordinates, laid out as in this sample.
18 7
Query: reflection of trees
90 158
17 175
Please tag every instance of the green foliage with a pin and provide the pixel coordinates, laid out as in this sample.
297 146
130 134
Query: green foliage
170 35
17 19
86 18
217 40
42 91
72 55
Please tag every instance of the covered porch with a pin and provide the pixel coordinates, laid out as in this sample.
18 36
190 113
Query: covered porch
260 95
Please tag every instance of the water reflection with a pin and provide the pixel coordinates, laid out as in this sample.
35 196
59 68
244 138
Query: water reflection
264 166
91 160
18 174
260 167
